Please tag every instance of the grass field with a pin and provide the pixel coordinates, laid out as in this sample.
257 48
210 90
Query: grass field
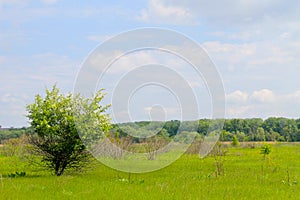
247 176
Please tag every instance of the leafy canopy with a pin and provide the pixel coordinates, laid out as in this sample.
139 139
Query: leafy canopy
58 120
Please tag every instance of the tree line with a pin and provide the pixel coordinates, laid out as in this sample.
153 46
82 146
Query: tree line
253 129
10 133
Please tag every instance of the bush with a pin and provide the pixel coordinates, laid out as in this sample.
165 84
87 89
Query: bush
265 150
219 154
56 139
235 141
14 146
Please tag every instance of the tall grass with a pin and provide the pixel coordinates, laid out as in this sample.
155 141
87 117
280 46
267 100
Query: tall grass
246 176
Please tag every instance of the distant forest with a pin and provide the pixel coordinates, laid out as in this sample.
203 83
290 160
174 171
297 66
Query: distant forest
254 129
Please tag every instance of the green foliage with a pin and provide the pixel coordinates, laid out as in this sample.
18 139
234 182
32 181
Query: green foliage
13 146
265 150
56 121
17 174
235 141
172 127
219 154
185 137
250 130
255 129
6 134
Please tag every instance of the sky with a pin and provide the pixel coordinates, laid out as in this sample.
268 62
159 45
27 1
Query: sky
255 45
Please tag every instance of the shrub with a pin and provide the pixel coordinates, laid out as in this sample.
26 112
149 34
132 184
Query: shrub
56 139
265 150
235 141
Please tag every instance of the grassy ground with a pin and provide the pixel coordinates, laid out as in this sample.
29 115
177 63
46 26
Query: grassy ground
247 176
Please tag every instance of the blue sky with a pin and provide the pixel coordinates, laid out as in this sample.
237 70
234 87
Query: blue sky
255 45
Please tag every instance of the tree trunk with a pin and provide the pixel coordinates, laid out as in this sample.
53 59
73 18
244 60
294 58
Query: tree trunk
59 169
57 164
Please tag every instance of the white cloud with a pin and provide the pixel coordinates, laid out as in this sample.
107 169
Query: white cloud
131 61
293 97
284 35
229 55
254 56
164 110
237 111
237 97
6 98
245 49
125 62
272 54
264 103
215 12
160 12
244 35
264 96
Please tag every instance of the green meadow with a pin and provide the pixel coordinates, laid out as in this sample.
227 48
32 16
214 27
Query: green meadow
247 175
